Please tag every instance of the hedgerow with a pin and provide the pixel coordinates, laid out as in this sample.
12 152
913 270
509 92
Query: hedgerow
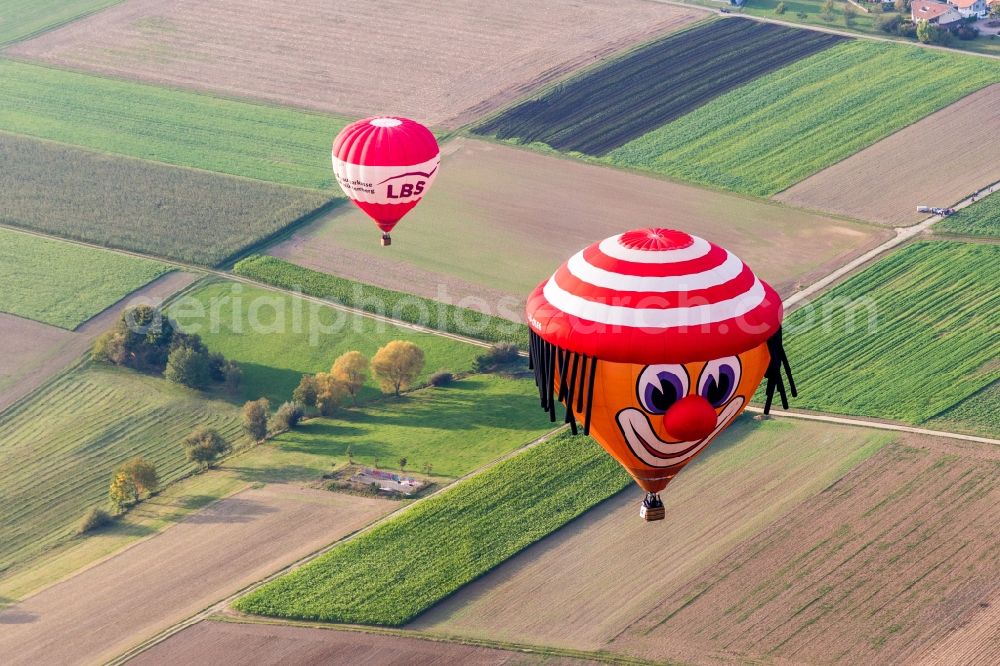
395 304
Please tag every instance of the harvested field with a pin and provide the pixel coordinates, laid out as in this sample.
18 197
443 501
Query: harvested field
587 583
136 205
623 99
60 448
979 219
879 567
63 284
167 125
106 609
32 352
935 162
779 129
502 219
211 643
23 18
445 65
906 339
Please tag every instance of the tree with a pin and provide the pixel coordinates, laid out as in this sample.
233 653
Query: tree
850 13
255 418
233 376
902 6
330 393
925 32
350 454
305 392
287 417
888 23
217 367
827 12
402 463
779 8
204 446
122 493
142 474
349 369
427 468
397 364
189 367
995 10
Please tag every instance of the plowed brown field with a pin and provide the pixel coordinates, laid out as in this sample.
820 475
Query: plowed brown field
601 574
213 643
442 62
500 219
877 568
935 162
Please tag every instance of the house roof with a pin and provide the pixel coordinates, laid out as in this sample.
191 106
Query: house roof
964 4
926 11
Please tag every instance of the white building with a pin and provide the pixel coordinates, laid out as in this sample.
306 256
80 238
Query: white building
937 13
967 8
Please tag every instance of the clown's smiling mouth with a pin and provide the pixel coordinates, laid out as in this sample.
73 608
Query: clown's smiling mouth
655 452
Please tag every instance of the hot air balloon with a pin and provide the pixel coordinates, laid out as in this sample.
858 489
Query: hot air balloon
385 165
656 340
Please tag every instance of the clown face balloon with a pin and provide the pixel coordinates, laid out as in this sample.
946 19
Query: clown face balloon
656 340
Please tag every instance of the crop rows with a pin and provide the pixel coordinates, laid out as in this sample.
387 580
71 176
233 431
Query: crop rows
63 284
267 143
978 414
398 305
906 339
136 205
397 570
58 450
22 18
772 132
980 219
608 106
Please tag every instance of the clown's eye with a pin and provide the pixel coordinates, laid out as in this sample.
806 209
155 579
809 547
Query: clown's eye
661 386
719 380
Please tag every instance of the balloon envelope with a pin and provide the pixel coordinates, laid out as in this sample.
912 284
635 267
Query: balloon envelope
385 165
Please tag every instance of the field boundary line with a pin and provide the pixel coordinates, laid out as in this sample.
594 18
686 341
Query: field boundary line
55 26
223 604
526 648
878 425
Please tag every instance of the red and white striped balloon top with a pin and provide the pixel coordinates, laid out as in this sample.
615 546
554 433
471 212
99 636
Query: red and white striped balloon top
654 296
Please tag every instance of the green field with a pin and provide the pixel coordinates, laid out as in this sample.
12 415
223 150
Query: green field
980 219
399 569
181 214
977 414
64 284
398 305
58 450
906 339
23 18
277 338
456 428
258 141
767 135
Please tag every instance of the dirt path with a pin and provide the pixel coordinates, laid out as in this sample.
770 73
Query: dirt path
33 352
211 643
104 610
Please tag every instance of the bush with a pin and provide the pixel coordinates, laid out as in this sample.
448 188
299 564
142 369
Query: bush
399 305
889 23
307 391
94 519
204 446
441 378
802 15
255 418
779 8
498 355
966 32
287 417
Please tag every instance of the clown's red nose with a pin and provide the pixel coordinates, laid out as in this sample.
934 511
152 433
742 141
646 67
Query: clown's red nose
689 418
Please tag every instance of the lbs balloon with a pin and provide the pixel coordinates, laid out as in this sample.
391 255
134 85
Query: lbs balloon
385 165
656 340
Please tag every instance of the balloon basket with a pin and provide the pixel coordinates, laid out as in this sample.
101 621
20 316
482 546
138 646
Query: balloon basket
652 508
386 241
